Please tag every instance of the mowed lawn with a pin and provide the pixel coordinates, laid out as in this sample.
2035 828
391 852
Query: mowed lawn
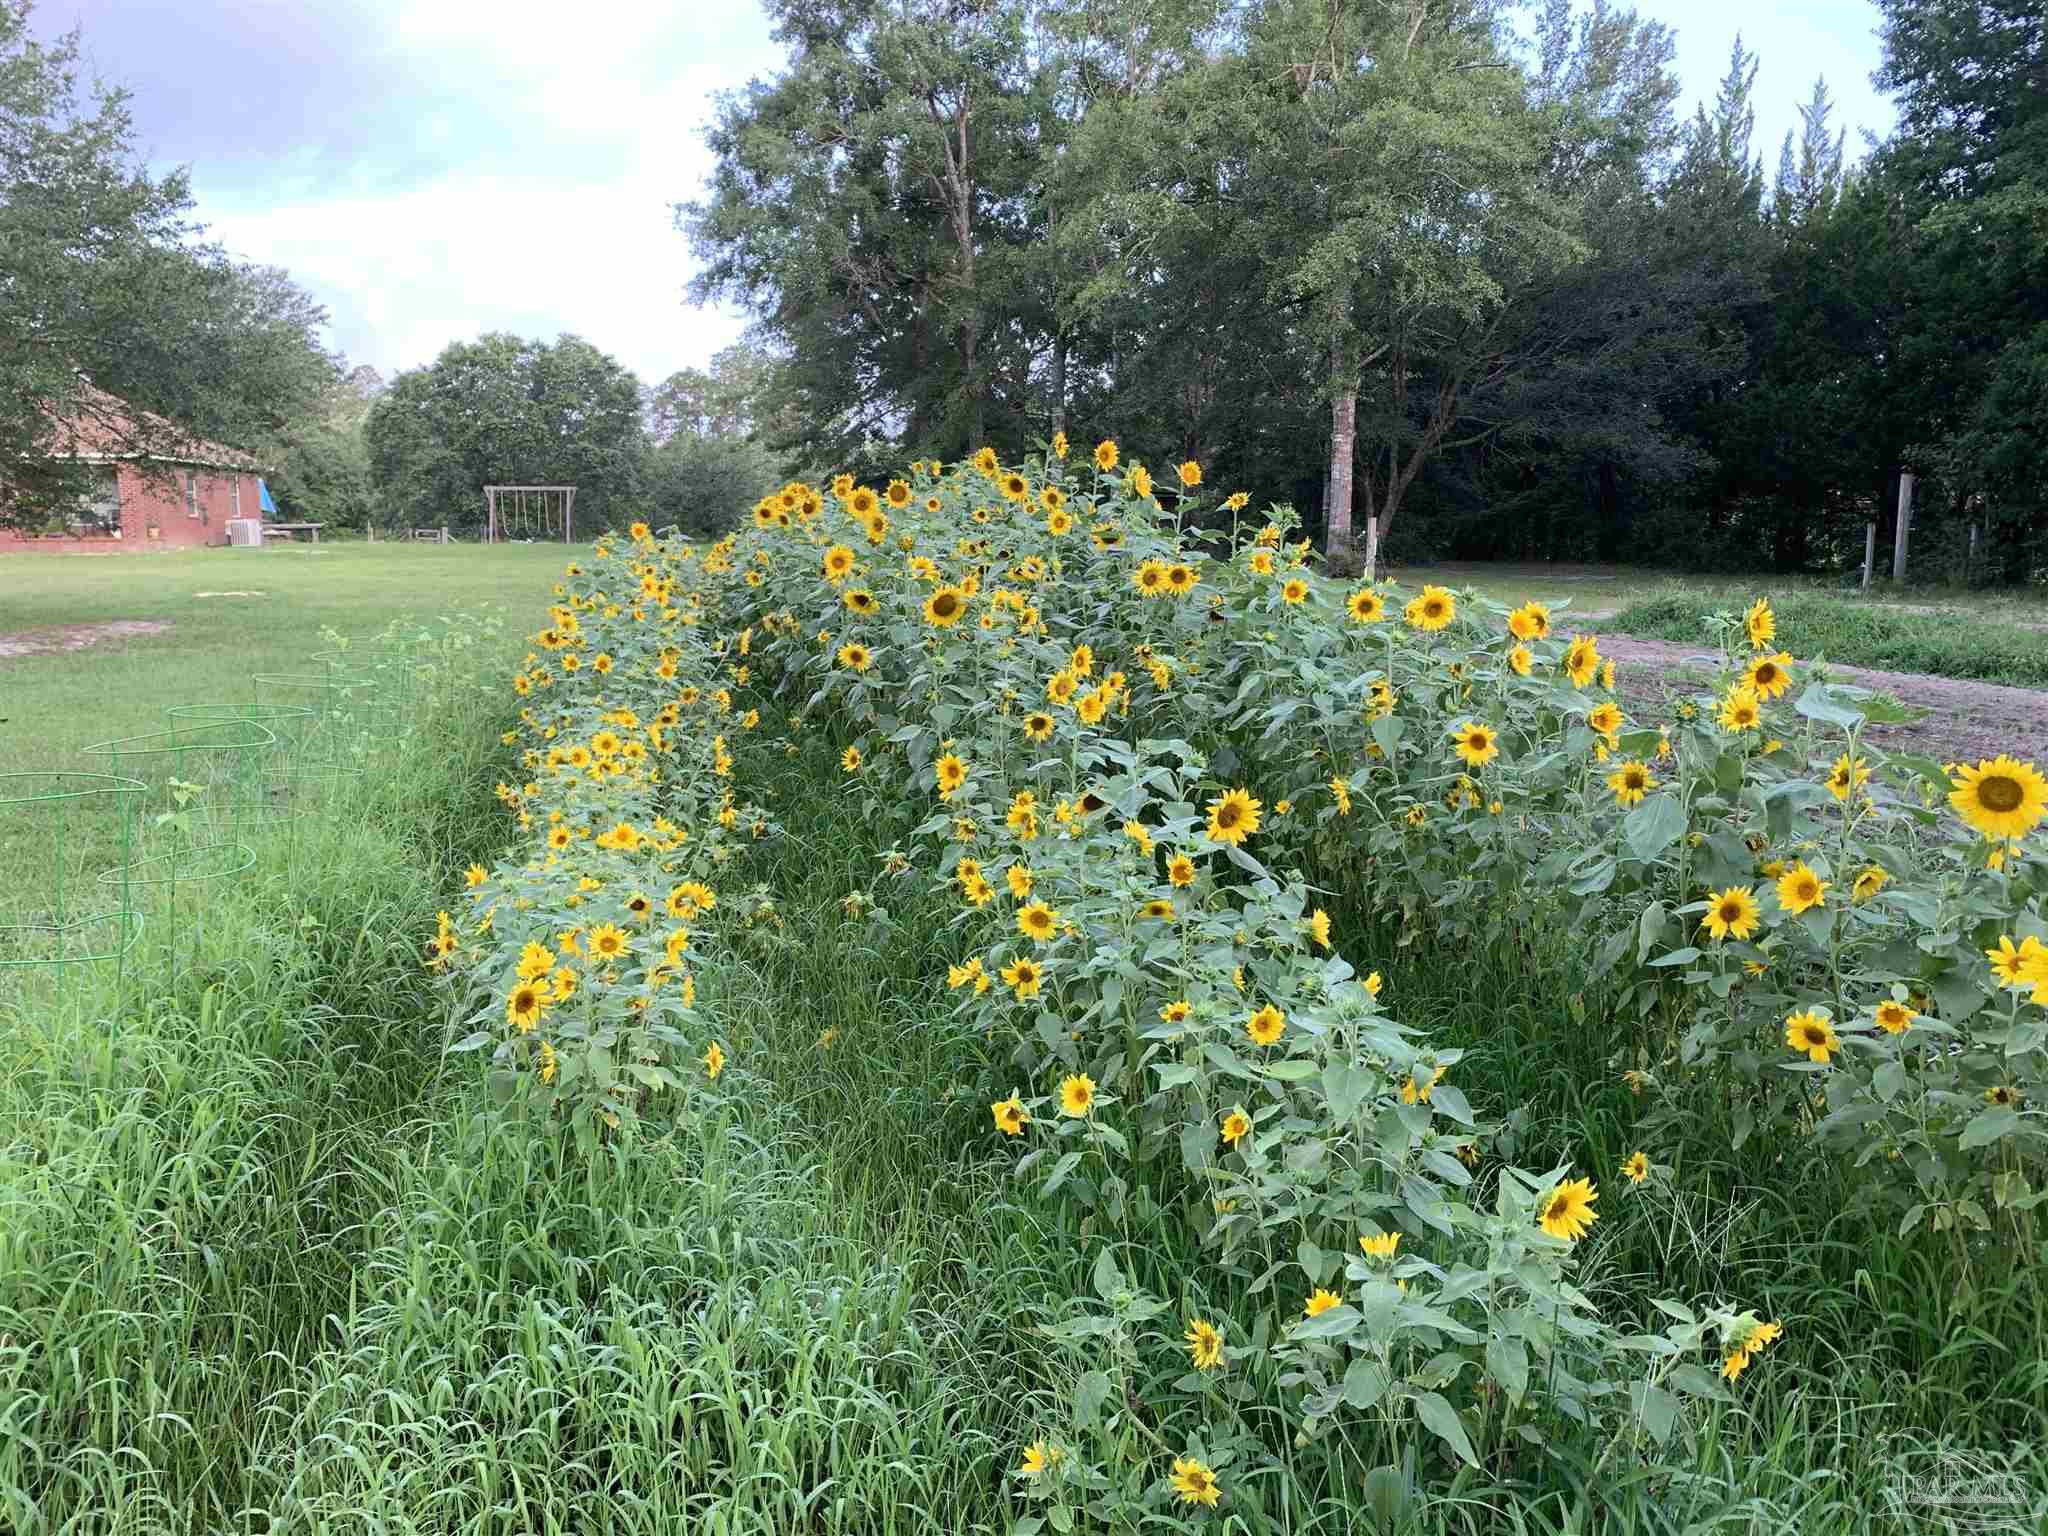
100 648
52 703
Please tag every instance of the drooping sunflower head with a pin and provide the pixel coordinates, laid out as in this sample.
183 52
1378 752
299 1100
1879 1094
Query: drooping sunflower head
1567 1211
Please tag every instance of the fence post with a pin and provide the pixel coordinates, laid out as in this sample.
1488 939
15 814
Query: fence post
1970 565
1869 552
1905 527
1372 546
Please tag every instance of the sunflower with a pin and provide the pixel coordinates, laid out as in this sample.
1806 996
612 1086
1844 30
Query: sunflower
1319 1302
1014 486
1195 1483
1365 606
1319 927
1177 1011
985 462
1141 482
1607 719
1294 591
944 607
1181 578
1740 710
898 494
1630 782
1233 817
1037 922
1433 610
863 503
850 760
1236 1126
1531 621
1847 776
535 961
1476 743
1732 913
1106 455
1158 908
1150 578
1894 1017
1520 660
2000 797
1800 889
714 1061
2003 1095
1567 1211
838 561
1769 676
1379 1245
1061 686
1010 1115
2016 968
1760 624
855 655
1265 1026
1059 444
1038 726
524 1005
1180 870
950 772
1260 563
1205 1344
1018 878
1190 473
1582 660
1637 1168
1869 881
1024 977
1810 1031
1077 1094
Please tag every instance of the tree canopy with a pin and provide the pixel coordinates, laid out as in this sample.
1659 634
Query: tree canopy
505 410
1410 259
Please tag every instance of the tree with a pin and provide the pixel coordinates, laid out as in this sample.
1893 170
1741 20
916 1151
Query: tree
710 430
103 275
503 410
323 457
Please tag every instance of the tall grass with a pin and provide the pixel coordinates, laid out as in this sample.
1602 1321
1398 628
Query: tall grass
267 1264
1864 634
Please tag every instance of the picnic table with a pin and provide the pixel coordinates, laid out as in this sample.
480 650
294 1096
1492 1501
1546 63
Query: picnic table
290 530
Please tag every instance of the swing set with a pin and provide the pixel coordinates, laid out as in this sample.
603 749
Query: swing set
528 513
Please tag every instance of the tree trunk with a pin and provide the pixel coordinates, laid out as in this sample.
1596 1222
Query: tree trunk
1343 447
1059 381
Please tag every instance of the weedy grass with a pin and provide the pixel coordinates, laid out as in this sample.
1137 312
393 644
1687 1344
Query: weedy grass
1859 633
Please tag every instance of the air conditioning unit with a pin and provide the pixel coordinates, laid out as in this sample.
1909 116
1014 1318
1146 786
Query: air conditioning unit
245 532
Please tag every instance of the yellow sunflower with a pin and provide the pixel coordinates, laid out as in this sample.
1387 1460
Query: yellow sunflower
1205 1344
1760 624
1077 1094
1233 817
1180 869
1582 660
1190 473
1811 1031
1732 913
1106 455
1895 1017
1010 1115
944 607
1365 606
1521 660
1769 676
1567 1211
1433 610
1037 922
1847 776
1476 744
855 655
1266 1025
1026 979
1531 621
1740 710
950 772
1236 1126
1637 1168
2000 797
1630 782
1379 1245
1038 727
1195 1483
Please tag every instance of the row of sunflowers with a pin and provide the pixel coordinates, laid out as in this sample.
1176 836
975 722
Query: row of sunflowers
1140 738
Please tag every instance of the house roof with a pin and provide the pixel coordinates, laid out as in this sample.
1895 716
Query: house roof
101 427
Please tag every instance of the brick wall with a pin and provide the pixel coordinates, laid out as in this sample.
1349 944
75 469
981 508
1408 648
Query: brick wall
182 518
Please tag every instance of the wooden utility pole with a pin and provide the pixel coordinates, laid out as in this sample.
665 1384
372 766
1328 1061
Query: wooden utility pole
1905 527
1869 553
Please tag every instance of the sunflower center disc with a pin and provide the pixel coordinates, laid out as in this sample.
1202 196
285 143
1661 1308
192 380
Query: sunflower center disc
1999 794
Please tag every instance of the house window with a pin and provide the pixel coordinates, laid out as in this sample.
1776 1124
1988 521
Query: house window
99 507
191 493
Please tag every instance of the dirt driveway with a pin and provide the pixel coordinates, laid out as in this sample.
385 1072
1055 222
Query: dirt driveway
1964 720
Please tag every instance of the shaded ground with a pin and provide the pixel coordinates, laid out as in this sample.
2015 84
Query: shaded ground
74 637
1964 720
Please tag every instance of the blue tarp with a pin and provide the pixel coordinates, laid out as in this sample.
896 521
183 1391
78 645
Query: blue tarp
263 495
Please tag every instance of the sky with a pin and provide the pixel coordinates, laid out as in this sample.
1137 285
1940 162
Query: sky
434 169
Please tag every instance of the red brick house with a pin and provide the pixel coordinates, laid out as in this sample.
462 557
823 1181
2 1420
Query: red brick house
152 485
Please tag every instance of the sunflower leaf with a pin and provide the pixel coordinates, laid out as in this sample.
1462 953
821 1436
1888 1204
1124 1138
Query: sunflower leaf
1989 1126
1654 826
1437 1414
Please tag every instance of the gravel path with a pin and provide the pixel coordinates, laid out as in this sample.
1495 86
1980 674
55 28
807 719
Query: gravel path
1964 720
